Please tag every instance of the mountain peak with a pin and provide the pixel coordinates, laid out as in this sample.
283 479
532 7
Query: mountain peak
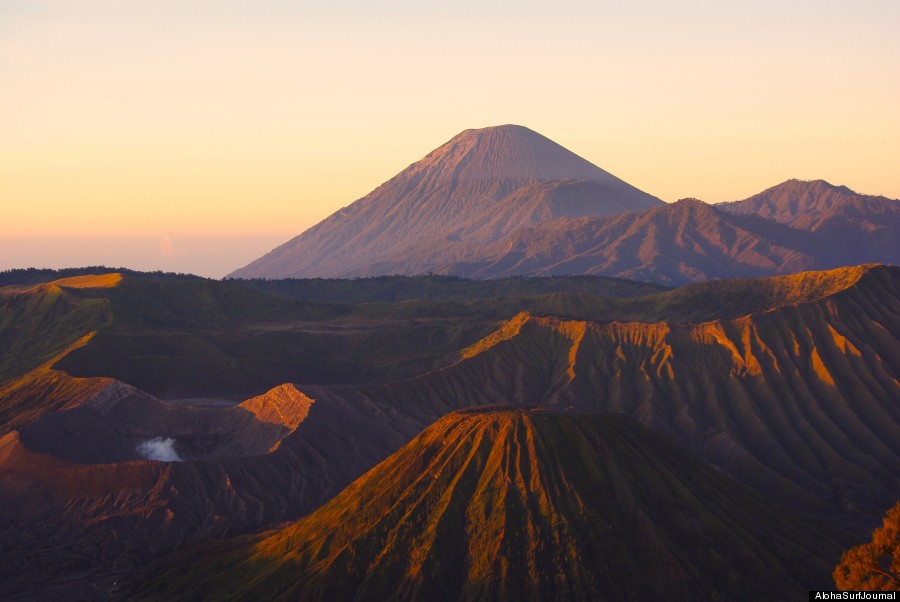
689 202
817 186
505 128
508 152
801 203
477 187
688 206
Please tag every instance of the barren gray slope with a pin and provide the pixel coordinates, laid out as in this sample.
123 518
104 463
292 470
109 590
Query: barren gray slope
480 186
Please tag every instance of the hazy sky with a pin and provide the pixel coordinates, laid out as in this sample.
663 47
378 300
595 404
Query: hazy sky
194 135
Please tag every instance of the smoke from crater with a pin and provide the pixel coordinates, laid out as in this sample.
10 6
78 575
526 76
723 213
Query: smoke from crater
159 448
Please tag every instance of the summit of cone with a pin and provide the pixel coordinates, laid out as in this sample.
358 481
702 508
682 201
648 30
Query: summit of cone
506 152
479 186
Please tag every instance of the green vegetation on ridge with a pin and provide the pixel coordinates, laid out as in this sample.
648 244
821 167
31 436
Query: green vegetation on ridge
197 337
39 324
445 288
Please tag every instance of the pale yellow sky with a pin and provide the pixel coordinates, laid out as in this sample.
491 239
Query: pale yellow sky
248 121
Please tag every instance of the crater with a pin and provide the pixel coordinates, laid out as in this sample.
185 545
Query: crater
123 424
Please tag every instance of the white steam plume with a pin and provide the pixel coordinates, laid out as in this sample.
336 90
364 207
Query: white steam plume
159 449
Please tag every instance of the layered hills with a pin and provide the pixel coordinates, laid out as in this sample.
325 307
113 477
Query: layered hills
519 504
687 241
89 502
790 228
202 338
505 201
811 205
788 385
855 228
477 188
97 489
799 400
573 437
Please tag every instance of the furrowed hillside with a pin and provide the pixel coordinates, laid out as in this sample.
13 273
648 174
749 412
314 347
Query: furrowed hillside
788 385
801 401
507 504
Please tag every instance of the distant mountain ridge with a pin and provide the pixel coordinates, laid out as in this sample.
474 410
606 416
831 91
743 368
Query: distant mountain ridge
790 228
478 187
506 201
687 241
801 203
788 385
855 228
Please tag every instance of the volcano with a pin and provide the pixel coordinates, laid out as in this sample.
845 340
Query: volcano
477 188
787 385
505 201
520 504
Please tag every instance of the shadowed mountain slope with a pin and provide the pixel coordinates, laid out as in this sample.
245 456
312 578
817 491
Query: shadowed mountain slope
521 505
172 338
788 229
481 185
123 424
435 287
801 401
687 241
39 322
25 399
735 297
506 201
789 385
74 526
858 228
804 204
180 337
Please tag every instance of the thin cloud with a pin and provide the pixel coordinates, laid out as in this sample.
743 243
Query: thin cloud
168 247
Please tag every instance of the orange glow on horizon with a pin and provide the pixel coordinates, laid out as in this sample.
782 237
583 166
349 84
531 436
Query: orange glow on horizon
253 119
